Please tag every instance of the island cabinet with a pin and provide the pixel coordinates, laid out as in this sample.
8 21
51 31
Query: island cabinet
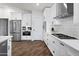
9 47
5 48
56 47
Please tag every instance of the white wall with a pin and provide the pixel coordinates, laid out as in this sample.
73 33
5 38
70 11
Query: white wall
37 25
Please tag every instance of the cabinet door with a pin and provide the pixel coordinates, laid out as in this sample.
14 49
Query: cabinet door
3 48
9 47
71 51
58 48
51 44
62 50
55 47
15 15
45 37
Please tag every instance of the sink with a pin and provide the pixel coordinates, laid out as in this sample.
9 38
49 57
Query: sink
63 36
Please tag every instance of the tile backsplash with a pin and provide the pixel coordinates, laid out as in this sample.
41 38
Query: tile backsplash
67 27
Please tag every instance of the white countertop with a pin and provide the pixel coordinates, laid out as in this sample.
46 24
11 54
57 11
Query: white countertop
72 43
3 38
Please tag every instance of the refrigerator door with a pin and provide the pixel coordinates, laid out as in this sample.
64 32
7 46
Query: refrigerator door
16 30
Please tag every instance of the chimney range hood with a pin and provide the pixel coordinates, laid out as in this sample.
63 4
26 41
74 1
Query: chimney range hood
64 10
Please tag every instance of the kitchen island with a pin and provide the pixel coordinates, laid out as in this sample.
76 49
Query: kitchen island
5 45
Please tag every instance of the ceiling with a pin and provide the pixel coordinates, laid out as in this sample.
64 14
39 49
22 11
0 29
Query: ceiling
29 6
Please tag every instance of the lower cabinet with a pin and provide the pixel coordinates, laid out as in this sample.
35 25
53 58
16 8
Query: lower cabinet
9 47
60 49
3 48
72 52
56 47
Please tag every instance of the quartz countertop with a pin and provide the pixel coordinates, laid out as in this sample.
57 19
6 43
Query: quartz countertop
72 43
3 38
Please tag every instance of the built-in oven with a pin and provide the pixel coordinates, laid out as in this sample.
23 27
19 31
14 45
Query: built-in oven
26 33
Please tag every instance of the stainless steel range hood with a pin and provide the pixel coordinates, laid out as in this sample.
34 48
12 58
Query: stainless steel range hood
62 11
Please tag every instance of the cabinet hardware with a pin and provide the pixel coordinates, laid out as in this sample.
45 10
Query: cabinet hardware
47 43
53 42
62 44
53 51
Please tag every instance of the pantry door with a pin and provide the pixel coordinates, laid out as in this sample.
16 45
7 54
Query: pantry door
37 26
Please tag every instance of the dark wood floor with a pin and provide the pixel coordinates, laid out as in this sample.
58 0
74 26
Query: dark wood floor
30 48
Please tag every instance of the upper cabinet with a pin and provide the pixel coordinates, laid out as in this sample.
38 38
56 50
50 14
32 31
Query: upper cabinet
59 12
47 12
3 13
15 16
50 12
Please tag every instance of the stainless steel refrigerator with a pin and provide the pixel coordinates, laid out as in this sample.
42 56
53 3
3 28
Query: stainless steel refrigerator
15 30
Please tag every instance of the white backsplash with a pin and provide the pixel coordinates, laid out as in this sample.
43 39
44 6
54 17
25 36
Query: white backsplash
67 27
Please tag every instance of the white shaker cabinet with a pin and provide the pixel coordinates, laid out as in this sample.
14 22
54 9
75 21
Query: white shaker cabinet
15 16
71 51
56 47
9 47
5 48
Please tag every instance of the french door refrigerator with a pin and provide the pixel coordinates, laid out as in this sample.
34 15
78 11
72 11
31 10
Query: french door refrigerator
15 29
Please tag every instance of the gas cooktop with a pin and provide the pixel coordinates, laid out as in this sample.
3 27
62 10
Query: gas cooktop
63 36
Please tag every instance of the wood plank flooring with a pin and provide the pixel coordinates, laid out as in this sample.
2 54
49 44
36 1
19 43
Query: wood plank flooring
30 48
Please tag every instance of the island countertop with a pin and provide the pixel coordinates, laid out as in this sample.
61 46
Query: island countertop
3 38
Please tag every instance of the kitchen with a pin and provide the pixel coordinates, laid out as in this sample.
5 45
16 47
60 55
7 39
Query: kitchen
27 28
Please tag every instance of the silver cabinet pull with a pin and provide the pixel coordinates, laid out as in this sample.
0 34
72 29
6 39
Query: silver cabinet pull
53 41
53 51
62 44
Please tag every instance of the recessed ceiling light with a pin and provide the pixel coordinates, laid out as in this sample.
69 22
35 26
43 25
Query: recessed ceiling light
37 4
